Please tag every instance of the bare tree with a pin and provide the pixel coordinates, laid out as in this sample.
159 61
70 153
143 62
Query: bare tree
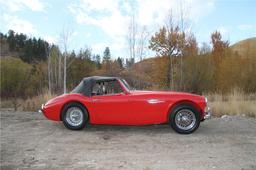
174 39
132 32
49 69
142 40
185 27
137 39
182 42
65 38
205 48
54 69
59 71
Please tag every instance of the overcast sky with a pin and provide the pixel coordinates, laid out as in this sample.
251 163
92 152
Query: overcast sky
100 23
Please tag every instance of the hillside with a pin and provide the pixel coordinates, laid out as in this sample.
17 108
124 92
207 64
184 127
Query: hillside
245 47
19 45
154 69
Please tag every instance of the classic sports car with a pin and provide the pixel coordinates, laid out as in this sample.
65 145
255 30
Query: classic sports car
111 101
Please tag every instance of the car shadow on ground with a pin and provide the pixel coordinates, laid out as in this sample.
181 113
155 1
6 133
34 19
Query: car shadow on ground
145 129
124 128
162 128
150 129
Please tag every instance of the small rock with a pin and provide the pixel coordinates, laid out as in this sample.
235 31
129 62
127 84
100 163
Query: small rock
106 137
224 116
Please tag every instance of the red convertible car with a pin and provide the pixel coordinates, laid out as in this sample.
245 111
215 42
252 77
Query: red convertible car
111 101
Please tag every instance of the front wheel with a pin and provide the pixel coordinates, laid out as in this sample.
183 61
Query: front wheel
185 119
74 116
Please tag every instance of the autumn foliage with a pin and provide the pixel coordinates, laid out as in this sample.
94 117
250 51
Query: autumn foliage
180 64
183 66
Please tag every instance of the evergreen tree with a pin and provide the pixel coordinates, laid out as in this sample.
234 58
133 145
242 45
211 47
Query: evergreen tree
87 54
97 59
73 54
120 62
106 54
11 40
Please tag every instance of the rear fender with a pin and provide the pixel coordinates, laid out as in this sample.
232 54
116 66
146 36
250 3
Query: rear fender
74 101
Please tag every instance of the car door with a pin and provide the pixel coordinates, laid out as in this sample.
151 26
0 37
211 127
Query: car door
111 107
147 109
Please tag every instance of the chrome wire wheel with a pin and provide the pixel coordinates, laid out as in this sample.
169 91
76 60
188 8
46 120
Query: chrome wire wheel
185 119
74 116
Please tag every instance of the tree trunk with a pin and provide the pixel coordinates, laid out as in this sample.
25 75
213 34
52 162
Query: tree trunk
56 72
65 74
59 73
168 80
49 73
171 86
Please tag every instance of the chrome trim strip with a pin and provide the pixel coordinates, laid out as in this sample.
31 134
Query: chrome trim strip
154 101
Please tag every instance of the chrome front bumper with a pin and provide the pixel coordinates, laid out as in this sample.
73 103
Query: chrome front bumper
208 113
41 110
207 110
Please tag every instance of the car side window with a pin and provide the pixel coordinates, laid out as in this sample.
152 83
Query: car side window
96 89
107 88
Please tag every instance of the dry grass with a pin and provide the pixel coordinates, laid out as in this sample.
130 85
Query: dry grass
34 103
5 103
234 103
30 104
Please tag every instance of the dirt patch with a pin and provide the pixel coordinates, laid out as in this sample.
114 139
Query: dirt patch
29 141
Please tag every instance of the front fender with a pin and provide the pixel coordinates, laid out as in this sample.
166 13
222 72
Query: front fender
196 105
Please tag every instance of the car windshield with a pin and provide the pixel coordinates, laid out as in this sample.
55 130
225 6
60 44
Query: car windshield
127 86
79 88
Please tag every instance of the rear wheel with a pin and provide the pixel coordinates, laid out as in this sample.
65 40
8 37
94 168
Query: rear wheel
74 116
184 119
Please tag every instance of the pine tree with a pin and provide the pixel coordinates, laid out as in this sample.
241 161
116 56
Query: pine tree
120 62
106 54
11 40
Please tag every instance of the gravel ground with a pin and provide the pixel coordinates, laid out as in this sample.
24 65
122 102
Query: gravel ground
29 141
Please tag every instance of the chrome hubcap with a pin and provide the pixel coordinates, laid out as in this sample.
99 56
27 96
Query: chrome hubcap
74 116
185 119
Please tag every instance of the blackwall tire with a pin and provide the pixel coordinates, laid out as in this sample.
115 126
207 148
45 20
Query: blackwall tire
184 119
74 116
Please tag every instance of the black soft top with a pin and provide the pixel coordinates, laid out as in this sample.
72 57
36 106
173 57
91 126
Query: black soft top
85 86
